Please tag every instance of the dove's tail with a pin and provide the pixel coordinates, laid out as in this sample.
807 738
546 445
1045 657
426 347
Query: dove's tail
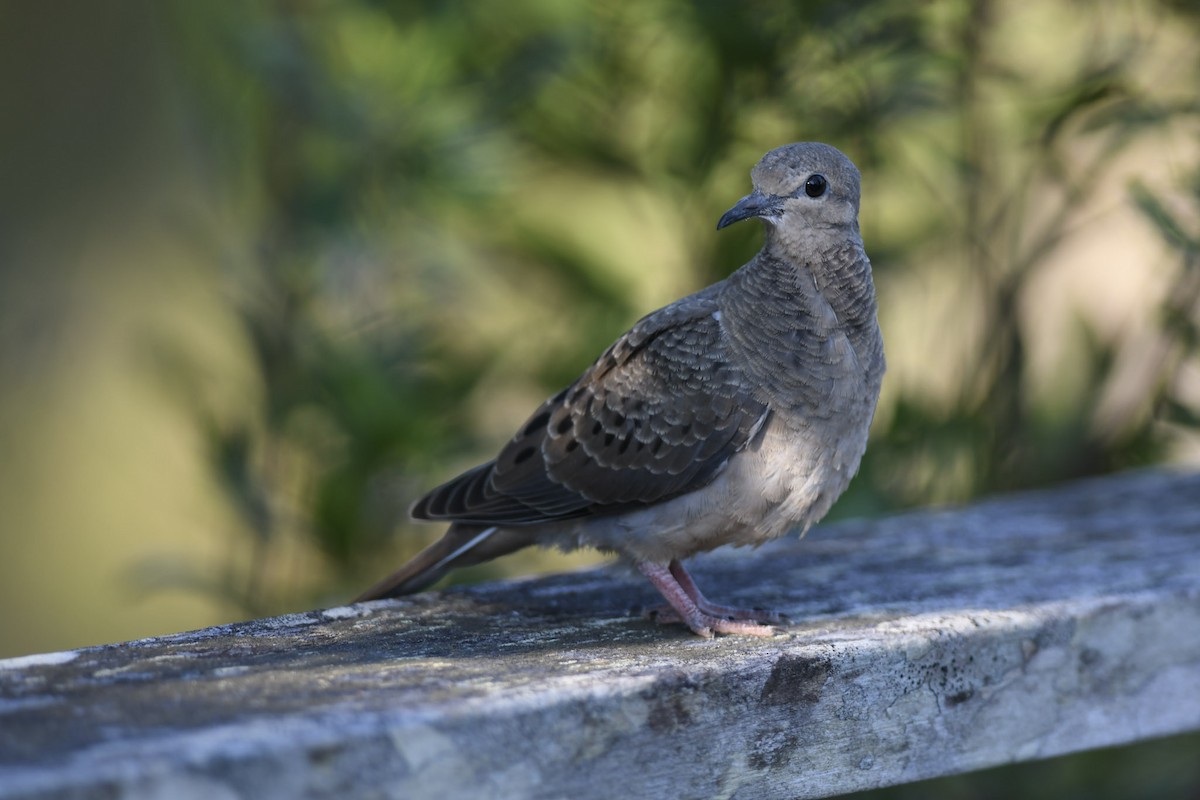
461 546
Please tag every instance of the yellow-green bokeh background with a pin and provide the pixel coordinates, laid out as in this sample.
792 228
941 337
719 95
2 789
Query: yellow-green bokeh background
269 269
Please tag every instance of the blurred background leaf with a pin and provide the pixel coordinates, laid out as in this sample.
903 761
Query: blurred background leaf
322 255
272 269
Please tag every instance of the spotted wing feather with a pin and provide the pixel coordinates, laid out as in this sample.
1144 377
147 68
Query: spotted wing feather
657 415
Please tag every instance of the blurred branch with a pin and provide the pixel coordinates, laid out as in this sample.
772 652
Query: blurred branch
433 200
1129 405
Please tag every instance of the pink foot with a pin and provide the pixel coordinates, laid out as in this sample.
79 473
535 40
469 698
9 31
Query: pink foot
715 609
690 607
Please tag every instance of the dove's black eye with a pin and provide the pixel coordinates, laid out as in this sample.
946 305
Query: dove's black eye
815 185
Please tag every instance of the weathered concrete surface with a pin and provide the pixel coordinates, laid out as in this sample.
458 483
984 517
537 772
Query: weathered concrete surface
922 645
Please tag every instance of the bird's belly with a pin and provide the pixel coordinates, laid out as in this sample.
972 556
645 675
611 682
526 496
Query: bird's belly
787 480
793 477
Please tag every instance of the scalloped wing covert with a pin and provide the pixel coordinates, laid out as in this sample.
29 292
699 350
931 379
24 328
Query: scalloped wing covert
657 416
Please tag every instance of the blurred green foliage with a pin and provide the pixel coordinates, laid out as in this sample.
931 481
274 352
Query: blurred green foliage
457 205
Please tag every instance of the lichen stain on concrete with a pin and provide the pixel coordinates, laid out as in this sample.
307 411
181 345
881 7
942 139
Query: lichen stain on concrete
794 680
668 714
670 704
773 751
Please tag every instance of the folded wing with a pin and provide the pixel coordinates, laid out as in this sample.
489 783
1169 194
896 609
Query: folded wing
658 415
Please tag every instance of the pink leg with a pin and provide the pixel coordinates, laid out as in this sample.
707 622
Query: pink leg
690 613
715 609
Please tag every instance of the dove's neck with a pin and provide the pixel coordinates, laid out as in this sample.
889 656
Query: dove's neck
801 273
793 304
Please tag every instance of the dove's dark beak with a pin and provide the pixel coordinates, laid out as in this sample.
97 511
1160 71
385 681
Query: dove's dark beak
755 204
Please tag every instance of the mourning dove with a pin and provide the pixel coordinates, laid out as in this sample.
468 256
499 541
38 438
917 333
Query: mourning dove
728 417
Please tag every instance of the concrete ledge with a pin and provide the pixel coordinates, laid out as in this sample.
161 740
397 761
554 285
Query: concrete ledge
922 645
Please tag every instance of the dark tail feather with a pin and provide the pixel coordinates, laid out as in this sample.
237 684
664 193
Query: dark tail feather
462 546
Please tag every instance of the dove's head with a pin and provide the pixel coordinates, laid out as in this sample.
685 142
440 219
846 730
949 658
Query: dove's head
800 189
